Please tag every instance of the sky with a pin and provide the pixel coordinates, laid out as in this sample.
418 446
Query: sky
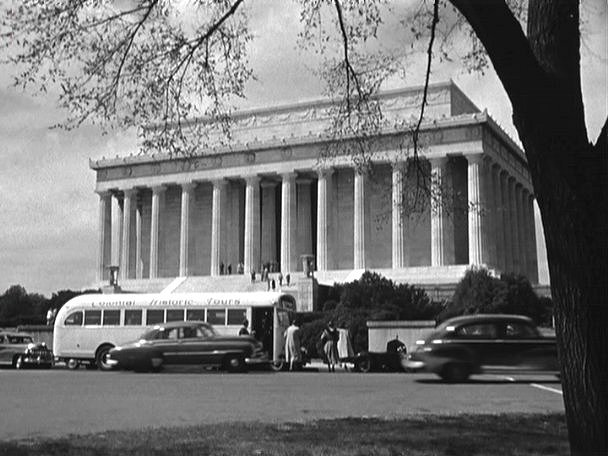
48 208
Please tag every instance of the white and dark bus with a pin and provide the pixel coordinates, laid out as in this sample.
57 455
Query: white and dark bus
89 325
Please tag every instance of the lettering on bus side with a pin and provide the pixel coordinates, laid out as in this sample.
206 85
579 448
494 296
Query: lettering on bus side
223 302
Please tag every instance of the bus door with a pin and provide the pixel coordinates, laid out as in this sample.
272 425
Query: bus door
262 325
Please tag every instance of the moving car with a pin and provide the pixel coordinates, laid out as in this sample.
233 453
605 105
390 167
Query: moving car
19 350
474 344
188 342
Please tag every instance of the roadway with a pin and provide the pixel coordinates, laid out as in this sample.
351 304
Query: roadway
59 402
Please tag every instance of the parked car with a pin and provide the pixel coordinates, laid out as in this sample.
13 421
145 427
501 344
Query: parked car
188 342
474 344
392 360
19 350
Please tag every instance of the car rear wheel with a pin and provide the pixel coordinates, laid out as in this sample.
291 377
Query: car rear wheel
455 372
101 358
18 363
234 363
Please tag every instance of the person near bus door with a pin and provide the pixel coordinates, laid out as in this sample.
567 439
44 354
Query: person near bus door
244 331
329 339
292 345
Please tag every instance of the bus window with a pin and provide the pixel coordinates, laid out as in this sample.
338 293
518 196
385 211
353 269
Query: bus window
74 319
195 315
111 317
133 317
236 316
92 317
216 316
175 315
154 316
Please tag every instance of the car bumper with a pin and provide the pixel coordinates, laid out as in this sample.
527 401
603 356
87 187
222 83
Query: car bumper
258 360
38 360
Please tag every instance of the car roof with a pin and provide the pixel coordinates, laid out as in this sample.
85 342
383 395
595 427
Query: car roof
485 318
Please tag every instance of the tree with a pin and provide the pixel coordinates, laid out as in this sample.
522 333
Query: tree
145 62
480 292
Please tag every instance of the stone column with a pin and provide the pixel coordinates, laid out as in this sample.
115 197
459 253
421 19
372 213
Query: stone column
157 194
488 228
184 228
532 258
506 222
438 215
497 217
513 225
521 231
252 225
139 265
116 213
323 218
269 225
288 222
104 202
219 190
126 233
398 219
476 244
304 217
359 218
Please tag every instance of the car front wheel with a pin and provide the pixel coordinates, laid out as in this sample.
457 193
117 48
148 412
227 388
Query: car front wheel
363 364
235 363
455 372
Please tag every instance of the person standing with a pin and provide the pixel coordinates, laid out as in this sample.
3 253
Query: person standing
292 345
244 331
329 339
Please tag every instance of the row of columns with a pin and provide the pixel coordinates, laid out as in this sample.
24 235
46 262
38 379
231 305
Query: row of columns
500 221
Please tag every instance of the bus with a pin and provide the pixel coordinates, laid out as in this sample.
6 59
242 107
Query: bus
89 325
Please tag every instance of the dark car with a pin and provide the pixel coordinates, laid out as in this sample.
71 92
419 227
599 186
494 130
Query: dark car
474 344
19 350
391 360
188 342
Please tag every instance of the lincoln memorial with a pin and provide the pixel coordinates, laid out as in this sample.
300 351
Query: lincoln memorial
276 197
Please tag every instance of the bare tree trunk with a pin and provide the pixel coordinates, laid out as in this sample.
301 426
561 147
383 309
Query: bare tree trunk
541 74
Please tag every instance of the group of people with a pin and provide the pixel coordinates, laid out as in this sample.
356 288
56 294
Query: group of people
293 346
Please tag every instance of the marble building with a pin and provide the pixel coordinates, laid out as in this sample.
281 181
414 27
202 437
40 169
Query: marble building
273 197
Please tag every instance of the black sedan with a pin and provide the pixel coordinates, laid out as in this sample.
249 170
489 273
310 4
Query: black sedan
19 350
475 344
188 342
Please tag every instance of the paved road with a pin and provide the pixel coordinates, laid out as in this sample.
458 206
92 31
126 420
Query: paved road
60 402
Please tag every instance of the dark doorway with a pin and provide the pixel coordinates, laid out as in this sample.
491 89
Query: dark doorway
262 323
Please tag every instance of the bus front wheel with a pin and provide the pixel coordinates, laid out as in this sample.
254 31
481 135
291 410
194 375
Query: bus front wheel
101 357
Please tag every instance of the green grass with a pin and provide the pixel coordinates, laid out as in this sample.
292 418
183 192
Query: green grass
455 435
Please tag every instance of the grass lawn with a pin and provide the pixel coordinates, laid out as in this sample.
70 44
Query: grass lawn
461 435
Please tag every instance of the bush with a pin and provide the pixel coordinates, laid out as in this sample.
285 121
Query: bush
479 292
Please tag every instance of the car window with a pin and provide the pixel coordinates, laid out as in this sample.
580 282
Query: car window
204 332
517 330
478 330
173 333
20 340
1 339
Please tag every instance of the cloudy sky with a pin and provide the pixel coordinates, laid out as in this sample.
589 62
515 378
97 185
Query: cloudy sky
48 208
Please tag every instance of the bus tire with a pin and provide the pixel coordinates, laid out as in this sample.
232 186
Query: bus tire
101 356
278 365
235 363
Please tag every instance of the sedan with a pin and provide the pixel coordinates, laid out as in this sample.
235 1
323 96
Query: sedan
19 350
188 342
475 344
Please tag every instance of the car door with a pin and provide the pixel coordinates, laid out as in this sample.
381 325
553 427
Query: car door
168 344
479 341
526 350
